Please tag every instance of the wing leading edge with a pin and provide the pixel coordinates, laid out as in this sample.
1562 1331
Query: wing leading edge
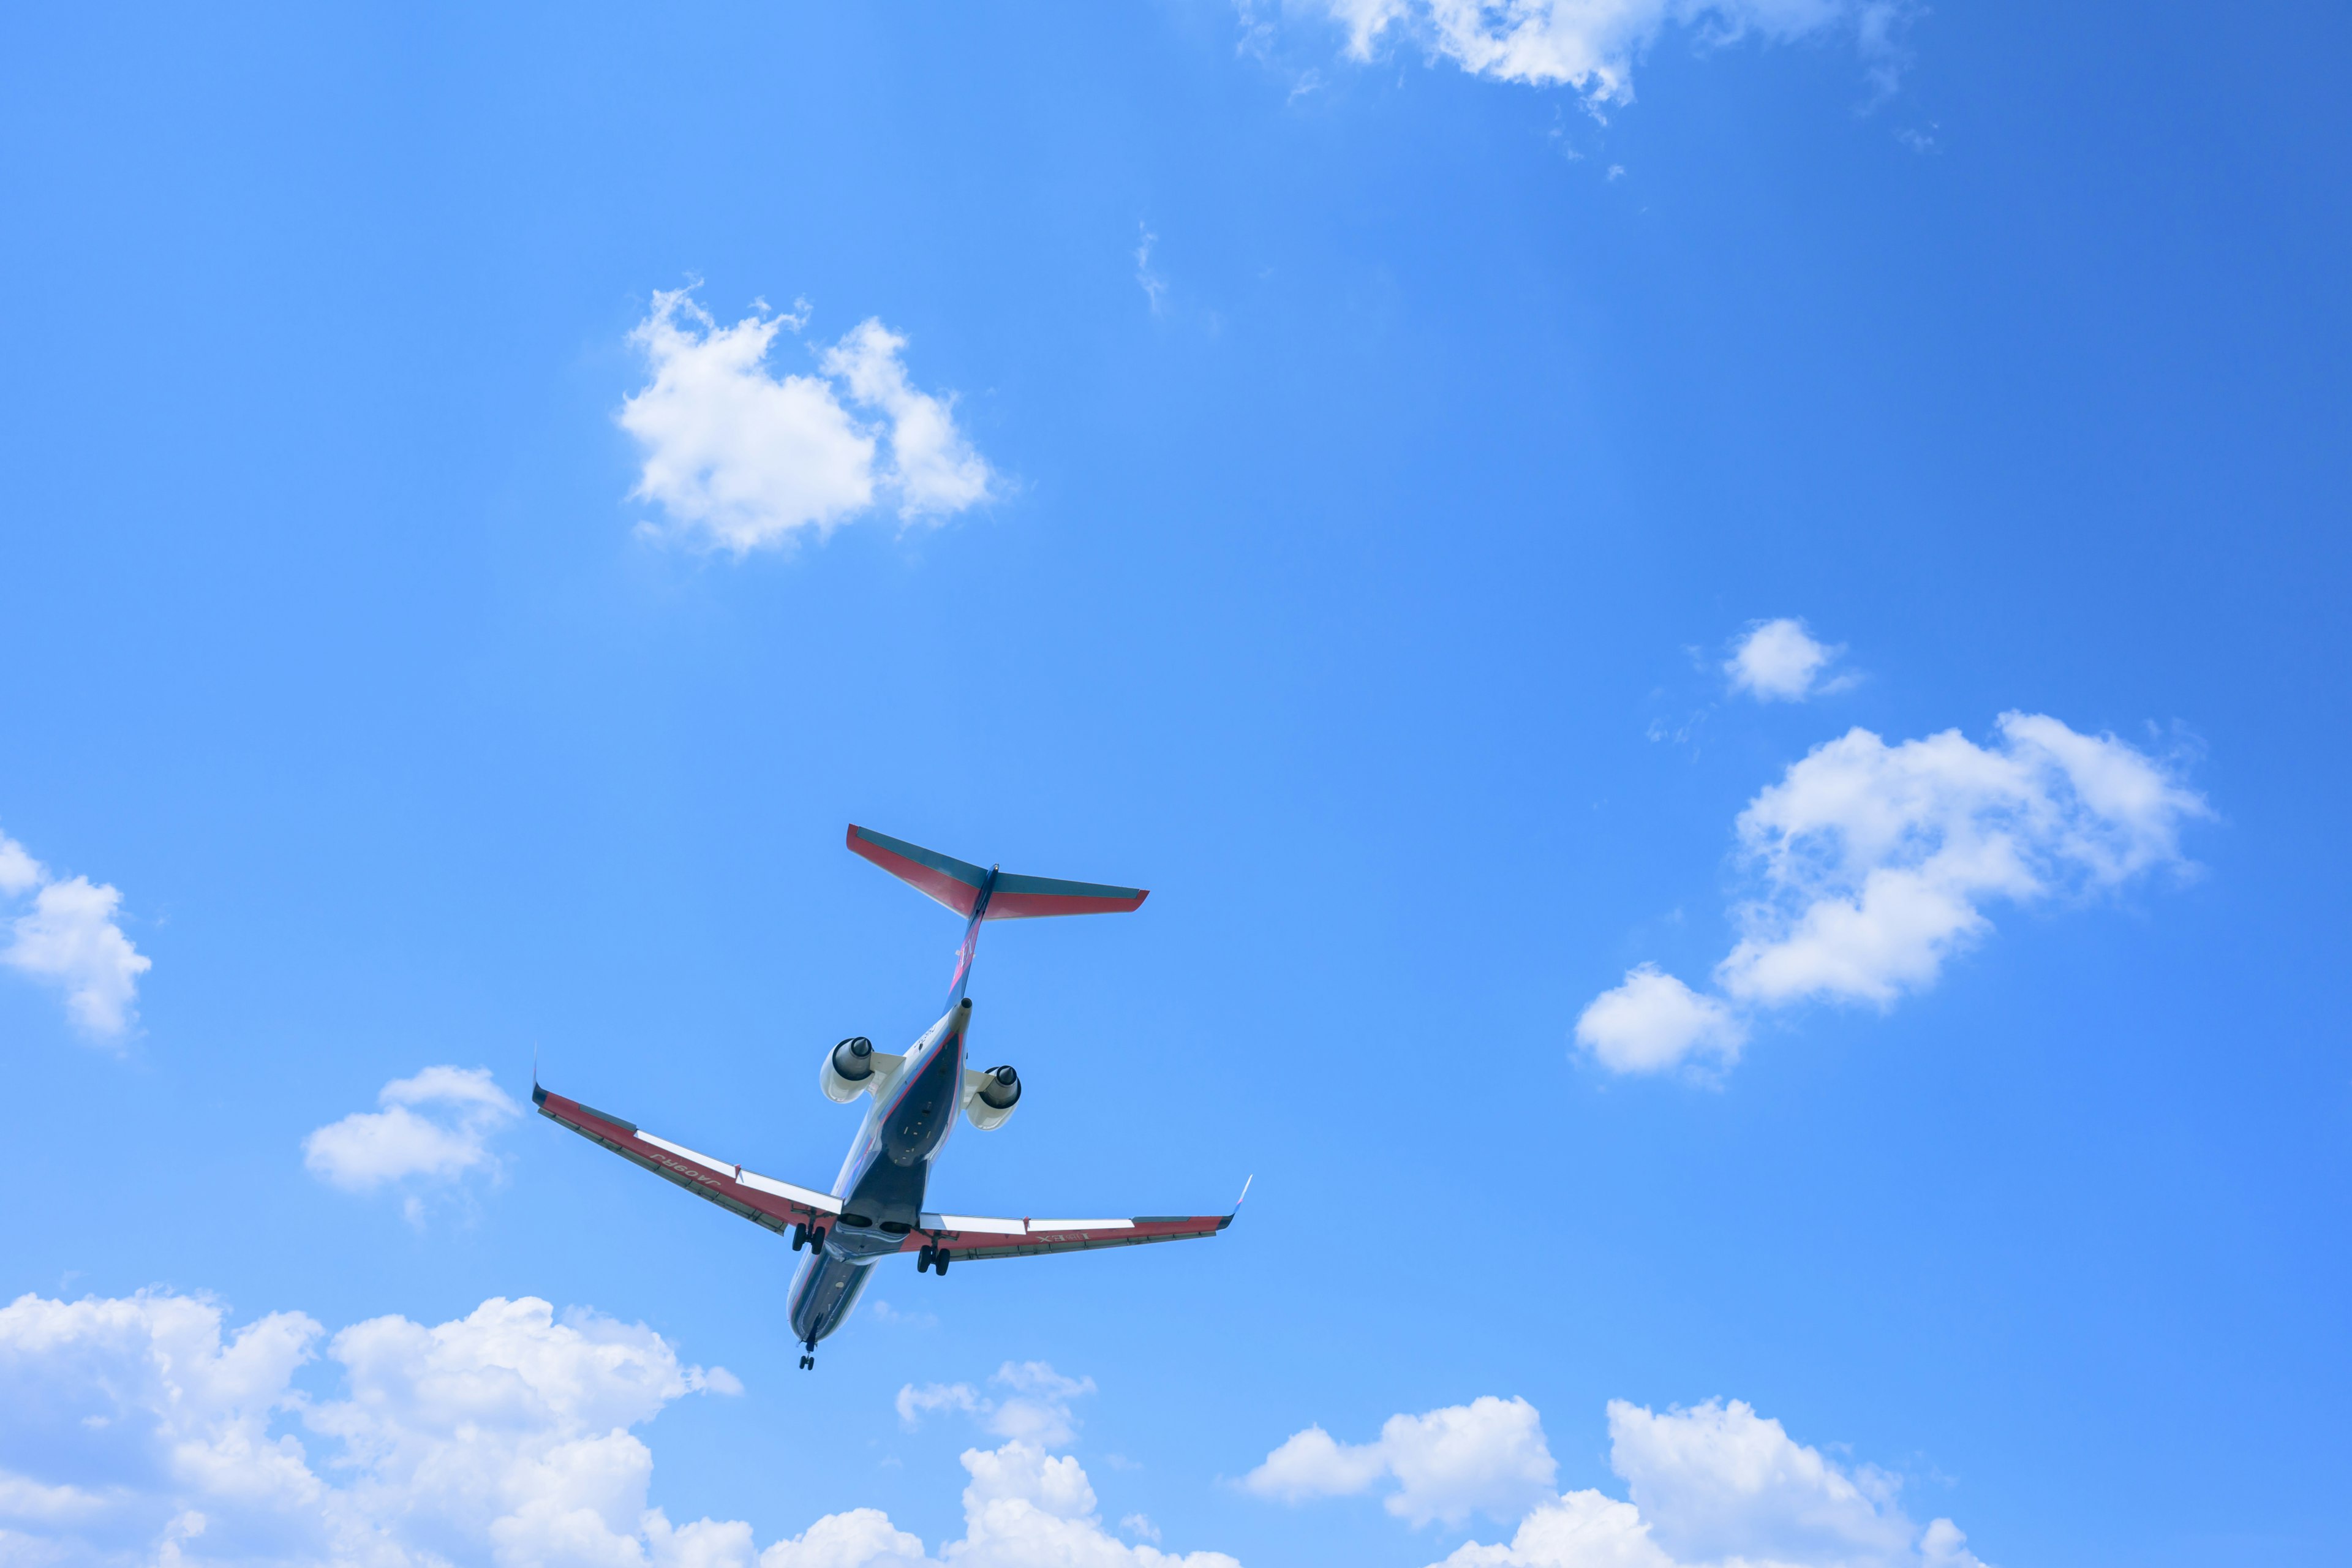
762 1200
780 1206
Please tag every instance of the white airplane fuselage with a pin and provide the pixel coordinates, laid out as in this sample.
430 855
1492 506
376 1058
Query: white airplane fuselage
882 1182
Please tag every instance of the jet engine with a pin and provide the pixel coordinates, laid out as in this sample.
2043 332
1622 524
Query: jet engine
847 1070
989 1097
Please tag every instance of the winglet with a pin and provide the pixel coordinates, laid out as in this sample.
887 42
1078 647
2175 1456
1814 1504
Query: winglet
539 1095
1245 1188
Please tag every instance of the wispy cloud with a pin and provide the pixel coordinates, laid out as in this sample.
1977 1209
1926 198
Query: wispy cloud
1035 1408
434 1128
1154 287
1873 865
1591 48
739 457
68 936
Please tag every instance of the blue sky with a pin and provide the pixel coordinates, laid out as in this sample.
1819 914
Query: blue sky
1720 636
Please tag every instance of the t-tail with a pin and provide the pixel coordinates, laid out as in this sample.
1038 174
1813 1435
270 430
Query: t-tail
988 894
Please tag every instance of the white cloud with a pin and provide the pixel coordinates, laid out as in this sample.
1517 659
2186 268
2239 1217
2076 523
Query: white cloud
436 1126
739 458
1654 1021
1875 859
1777 661
1154 287
1036 1409
1592 45
1875 863
141 1428
20 872
1488 1455
138 1427
933 470
1025 1509
1719 1484
69 939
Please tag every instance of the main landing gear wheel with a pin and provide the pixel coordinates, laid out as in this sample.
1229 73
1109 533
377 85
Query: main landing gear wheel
939 1261
923 1258
800 1236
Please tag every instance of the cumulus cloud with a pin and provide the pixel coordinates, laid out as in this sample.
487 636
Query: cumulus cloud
1873 865
69 938
1591 46
1778 661
1485 1457
1036 1407
436 1127
1654 1021
739 458
143 1428
1719 1485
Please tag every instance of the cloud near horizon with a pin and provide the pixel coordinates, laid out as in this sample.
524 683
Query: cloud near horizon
739 458
1715 1485
70 938
143 1429
1874 865
1592 48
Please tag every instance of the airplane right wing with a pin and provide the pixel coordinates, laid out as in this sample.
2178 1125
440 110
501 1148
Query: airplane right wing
963 1235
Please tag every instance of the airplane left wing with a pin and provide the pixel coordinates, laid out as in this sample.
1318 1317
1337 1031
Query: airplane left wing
762 1200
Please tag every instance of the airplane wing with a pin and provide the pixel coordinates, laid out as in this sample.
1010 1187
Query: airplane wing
961 1235
779 1205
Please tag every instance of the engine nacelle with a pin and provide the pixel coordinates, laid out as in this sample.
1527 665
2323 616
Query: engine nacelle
847 1070
989 1097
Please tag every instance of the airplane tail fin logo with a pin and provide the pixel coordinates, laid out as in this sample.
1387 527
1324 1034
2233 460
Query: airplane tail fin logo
961 886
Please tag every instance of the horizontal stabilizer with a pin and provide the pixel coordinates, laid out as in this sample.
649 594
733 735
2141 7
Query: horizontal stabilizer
957 883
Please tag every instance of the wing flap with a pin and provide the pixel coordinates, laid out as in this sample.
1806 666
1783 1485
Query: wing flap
764 1200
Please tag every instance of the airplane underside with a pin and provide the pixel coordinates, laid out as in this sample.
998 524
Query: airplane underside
876 1207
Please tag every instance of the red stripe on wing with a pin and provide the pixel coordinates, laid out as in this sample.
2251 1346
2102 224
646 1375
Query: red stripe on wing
766 1208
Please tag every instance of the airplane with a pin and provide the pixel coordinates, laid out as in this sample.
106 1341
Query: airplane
876 1207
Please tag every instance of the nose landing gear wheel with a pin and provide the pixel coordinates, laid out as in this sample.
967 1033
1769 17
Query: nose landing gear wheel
808 1364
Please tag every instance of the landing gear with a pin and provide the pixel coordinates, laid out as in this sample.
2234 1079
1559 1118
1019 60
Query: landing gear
816 1239
800 1236
923 1258
939 1261
808 1364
